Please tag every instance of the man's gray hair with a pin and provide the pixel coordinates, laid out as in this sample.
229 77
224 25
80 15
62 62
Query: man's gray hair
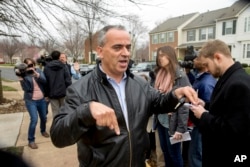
104 30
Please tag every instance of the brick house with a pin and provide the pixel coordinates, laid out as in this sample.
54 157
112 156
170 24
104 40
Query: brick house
87 52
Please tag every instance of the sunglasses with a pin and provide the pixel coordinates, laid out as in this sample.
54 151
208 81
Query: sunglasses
30 65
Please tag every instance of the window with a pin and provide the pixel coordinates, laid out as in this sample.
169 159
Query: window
191 35
154 55
246 50
211 33
229 27
162 37
202 34
170 37
155 39
247 24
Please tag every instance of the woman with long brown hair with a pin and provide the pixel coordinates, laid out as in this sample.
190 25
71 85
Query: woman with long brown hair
169 75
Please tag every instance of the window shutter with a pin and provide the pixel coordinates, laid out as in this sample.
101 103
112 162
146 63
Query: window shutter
234 26
223 28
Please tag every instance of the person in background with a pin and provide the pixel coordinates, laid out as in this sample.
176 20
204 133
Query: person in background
224 122
106 112
74 70
33 84
204 84
58 79
150 156
169 75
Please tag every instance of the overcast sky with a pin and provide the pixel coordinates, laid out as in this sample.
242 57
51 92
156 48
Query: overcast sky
160 10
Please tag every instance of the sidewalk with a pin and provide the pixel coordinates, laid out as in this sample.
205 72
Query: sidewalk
16 126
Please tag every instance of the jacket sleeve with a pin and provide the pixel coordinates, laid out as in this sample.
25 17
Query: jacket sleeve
67 77
73 120
182 112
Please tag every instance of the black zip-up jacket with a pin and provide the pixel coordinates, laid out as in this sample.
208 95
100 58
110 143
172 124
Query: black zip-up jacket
100 146
58 79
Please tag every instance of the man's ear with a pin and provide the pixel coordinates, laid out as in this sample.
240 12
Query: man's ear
99 51
217 57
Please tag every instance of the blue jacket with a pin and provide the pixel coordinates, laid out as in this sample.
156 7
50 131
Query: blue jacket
28 86
204 84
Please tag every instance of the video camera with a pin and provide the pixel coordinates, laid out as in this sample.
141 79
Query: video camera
21 70
189 58
44 59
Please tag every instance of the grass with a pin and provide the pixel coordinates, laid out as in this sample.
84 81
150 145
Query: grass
247 70
6 80
8 88
14 150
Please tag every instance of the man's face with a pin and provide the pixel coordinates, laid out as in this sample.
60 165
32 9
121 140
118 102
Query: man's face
198 64
63 58
212 66
115 53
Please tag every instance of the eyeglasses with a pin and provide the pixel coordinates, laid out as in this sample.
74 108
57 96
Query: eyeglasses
30 65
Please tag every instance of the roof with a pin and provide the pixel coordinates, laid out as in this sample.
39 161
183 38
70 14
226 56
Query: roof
195 44
235 9
172 23
206 19
209 18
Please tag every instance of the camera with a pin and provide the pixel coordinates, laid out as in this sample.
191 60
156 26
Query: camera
21 70
44 59
188 61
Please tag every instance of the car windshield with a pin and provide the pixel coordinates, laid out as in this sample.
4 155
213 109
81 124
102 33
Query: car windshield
141 65
91 66
83 65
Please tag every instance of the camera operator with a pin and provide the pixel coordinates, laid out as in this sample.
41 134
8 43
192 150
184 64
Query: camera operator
33 83
188 63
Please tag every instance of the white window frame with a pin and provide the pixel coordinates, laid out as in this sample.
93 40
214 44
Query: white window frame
162 38
210 33
155 39
247 24
190 35
229 27
246 50
202 34
170 36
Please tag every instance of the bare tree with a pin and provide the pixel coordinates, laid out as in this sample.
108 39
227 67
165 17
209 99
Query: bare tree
10 47
25 17
137 31
73 36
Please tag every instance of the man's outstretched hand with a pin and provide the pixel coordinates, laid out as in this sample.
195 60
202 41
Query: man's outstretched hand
188 92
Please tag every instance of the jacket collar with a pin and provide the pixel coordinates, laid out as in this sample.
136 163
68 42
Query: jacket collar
102 77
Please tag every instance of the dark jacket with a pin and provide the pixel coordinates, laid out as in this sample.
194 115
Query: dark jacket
28 85
226 128
58 79
100 146
179 120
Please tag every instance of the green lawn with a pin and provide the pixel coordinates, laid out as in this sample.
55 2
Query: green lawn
247 70
14 150
8 88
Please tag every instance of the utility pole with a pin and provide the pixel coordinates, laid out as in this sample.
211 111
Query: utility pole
90 42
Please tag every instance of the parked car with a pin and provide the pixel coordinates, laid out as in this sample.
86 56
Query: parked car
143 66
86 68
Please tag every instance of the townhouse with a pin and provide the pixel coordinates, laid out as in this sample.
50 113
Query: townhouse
230 24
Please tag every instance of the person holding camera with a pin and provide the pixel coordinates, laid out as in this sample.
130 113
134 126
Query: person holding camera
33 83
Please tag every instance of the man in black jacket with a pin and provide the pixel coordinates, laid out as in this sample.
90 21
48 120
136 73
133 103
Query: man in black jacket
225 127
58 79
106 112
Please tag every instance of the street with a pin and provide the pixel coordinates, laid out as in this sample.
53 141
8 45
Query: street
8 73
